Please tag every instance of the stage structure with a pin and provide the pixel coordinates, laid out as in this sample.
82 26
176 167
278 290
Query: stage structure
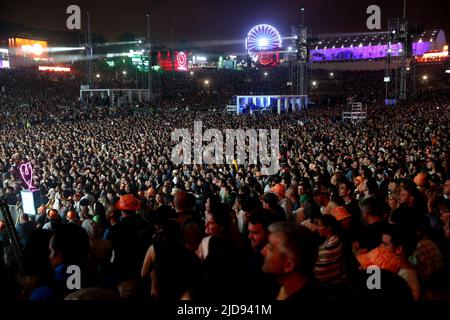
267 104
358 113
116 97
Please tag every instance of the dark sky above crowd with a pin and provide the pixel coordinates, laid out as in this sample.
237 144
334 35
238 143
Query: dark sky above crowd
200 20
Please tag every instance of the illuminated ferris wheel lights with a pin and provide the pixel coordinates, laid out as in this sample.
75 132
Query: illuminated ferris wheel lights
263 42
262 37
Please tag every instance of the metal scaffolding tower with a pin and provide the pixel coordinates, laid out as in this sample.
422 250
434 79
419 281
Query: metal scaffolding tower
149 50
89 50
398 33
300 82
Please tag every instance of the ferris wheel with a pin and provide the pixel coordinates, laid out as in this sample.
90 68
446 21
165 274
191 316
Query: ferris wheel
262 38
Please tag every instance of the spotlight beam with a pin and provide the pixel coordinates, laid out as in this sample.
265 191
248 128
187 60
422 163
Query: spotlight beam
107 44
63 49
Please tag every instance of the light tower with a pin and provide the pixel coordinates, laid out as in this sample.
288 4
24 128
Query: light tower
149 50
89 50
301 74
398 37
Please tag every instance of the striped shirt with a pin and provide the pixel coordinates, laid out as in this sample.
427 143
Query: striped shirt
329 266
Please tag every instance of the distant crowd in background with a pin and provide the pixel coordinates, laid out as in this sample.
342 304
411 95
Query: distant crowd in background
347 196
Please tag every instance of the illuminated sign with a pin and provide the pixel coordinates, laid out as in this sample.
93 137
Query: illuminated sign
181 63
113 55
29 48
434 56
4 64
54 69
199 58
26 172
36 49
176 62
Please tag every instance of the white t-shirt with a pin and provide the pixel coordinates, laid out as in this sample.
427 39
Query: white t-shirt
48 226
57 203
240 220
88 226
202 251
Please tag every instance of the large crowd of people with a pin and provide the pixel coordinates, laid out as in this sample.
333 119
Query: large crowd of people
347 196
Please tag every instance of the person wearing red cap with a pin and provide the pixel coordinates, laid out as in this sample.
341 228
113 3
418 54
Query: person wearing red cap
130 242
280 191
55 221
42 217
128 204
72 216
421 180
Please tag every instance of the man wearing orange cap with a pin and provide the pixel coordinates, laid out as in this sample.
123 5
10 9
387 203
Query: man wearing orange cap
72 216
130 241
280 191
42 217
55 221
421 180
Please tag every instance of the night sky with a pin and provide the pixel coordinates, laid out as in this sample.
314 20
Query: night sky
197 20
